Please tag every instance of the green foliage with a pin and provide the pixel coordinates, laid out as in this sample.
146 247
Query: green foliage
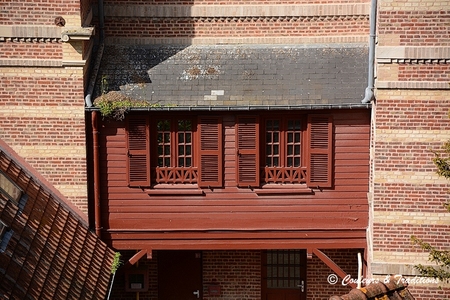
441 258
116 263
115 105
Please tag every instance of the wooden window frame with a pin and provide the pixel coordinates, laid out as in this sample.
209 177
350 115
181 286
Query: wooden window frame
173 174
206 168
283 174
316 154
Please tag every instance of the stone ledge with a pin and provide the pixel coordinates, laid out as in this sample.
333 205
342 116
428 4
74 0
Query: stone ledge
413 85
350 39
392 54
77 34
179 11
29 63
19 31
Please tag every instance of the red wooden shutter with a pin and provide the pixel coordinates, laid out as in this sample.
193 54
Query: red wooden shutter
320 152
210 171
247 141
138 144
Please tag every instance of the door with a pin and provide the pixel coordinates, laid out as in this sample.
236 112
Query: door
179 275
284 275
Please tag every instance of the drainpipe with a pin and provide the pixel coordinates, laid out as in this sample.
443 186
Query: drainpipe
98 59
369 93
94 120
97 210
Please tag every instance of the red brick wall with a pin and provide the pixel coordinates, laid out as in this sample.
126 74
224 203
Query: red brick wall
31 50
43 12
242 27
400 156
44 123
237 272
239 275
416 28
318 272
424 72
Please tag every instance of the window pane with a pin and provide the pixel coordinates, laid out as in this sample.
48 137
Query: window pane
276 161
188 150
166 138
181 138
290 137
276 124
276 150
276 137
188 162
290 150
188 137
184 125
290 162
167 150
284 271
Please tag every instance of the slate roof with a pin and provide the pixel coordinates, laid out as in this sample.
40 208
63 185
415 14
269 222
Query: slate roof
394 289
236 75
48 251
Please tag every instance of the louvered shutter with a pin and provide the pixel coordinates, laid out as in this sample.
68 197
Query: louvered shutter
320 152
247 141
138 144
210 153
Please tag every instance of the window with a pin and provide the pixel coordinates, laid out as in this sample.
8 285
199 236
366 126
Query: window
5 235
174 150
285 269
283 151
9 189
294 149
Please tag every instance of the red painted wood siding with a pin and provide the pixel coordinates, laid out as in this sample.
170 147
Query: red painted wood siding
132 219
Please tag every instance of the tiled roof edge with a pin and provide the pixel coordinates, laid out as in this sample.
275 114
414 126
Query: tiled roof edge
40 180
395 287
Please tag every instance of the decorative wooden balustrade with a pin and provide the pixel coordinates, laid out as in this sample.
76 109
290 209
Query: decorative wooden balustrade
293 175
172 175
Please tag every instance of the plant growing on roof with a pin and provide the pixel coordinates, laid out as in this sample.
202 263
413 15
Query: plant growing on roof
116 263
115 105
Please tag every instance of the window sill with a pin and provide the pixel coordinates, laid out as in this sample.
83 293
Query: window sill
174 189
271 189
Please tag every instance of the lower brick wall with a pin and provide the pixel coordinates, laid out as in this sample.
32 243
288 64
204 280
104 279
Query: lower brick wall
318 272
238 273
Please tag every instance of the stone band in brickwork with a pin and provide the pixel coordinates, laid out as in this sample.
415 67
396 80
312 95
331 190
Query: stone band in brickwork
221 11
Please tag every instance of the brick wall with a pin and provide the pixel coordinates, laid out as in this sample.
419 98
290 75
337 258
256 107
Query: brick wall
43 12
239 275
411 119
248 22
42 79
318 272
